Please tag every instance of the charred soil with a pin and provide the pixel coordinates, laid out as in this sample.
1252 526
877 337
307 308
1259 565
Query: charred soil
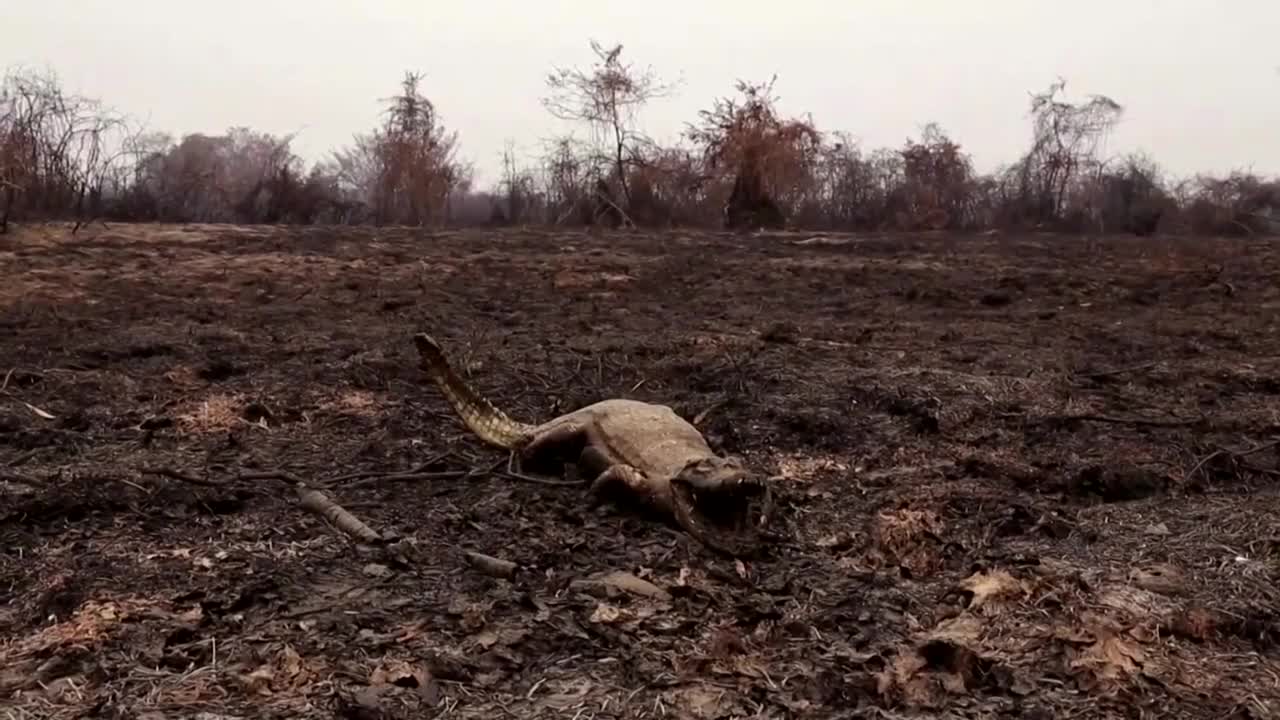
1028 475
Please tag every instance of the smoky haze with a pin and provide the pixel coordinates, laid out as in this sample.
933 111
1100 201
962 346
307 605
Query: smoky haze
1198 80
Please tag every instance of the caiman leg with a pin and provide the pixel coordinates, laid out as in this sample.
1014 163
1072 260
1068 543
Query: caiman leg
622 480
683 513
556 438
592 462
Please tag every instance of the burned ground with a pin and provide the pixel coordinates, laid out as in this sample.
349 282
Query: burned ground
1024 476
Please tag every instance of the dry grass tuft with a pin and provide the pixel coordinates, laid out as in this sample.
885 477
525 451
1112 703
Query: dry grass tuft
361 403
911 539
216 413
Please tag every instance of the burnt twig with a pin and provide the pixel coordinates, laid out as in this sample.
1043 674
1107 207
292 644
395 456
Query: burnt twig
281 475
1139 421
310 499
492 566
408 476
515 472
421 467
1236 456
22 457
173 474
315 501
1119 370
320 504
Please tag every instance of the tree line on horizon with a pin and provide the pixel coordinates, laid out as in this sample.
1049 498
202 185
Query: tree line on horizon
740 164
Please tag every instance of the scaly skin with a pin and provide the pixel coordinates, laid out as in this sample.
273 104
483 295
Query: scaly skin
647 450
486 421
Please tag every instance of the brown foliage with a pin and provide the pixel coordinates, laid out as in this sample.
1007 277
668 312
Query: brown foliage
764 161
742 164
415 170
936 184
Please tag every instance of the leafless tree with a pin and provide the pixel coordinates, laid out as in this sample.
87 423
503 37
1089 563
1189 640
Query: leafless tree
56 148
607 98
1066 138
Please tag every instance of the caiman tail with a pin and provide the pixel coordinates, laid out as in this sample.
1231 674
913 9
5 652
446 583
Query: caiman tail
486 421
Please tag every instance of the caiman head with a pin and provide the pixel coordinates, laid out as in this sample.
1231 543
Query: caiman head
722 491
714 473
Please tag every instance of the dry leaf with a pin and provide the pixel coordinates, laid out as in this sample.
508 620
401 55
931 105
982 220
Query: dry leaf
748 667
405 675
1144 633
1196 623
1109 659
290 661
992 590
259 681
630 583
606 614
837 541
409 632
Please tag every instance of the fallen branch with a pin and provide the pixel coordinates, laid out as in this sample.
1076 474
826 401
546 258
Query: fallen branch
515 472
281 475
1119 370
409 476
419 473
315 501
173 474
421 467
510 475
1258 448
1140 421
1149 422
492 566
310 499
318 503
38 412
1236 456
22 457
20 480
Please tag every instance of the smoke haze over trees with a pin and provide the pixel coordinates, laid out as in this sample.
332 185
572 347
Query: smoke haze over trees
741 163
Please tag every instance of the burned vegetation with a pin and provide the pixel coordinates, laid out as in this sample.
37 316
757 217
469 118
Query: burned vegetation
226 487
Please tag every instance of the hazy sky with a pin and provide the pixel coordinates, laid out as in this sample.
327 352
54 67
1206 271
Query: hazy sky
1200 80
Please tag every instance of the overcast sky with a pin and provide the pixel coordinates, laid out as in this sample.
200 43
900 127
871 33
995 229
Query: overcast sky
1200 80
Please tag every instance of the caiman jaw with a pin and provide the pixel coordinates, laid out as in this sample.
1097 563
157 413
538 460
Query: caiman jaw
726 504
